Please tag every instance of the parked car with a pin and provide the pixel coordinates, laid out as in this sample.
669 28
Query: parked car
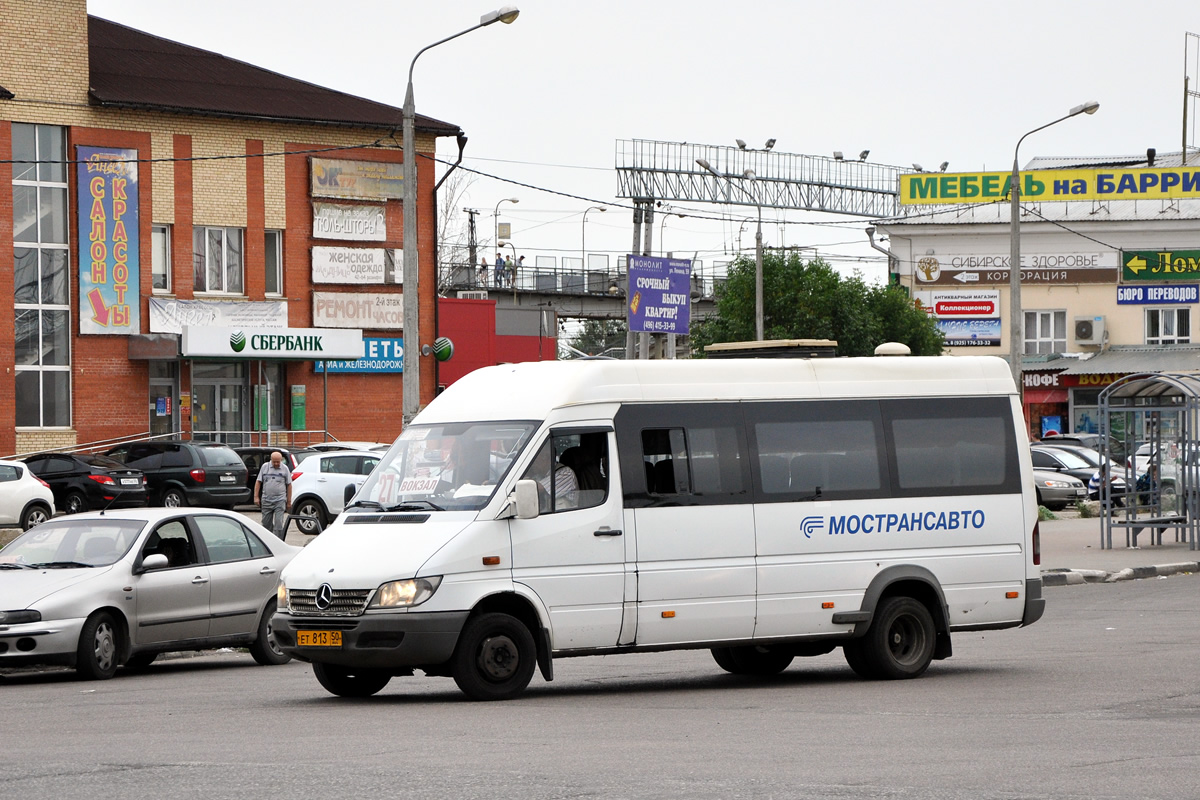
319 485
100 589
83 482
1056 491
255 457
188 473
1062 461
1086 453
25 499
330 447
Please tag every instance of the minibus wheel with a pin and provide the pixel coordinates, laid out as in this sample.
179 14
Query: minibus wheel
350 682
751 660
899 643
495 658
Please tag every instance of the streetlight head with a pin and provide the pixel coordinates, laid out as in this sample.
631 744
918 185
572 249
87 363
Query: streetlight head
741 144
1090 107
863 155
506 15
770 143
837 155
918 168
514 199
943 166
749 175
704 164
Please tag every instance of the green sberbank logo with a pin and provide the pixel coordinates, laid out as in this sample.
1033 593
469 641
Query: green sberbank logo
238 341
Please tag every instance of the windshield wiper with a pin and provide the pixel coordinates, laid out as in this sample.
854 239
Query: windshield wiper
415 505
60 565
365 504
15 565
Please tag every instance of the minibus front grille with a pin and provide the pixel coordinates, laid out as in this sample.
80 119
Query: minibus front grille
379 519
344 603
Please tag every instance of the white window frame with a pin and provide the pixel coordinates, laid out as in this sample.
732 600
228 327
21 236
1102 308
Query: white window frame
40 308
1034 342
1175 313
201 274
163 231
277 267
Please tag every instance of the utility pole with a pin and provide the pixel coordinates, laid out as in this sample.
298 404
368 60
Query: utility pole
645 339
472 247
630 337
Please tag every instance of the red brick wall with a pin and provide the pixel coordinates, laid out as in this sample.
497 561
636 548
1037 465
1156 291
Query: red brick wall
182 277
109 392
8 357
367 407
256 215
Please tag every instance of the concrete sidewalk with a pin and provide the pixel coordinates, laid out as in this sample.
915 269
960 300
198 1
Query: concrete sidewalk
1071 553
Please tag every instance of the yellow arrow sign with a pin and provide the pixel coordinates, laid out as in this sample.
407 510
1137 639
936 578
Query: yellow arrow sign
1136 264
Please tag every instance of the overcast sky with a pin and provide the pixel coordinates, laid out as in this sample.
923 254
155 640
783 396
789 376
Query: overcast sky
544 100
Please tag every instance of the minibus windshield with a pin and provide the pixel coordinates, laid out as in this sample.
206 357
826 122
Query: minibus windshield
450 467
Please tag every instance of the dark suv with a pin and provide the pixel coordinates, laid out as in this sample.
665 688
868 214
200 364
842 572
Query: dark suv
188 473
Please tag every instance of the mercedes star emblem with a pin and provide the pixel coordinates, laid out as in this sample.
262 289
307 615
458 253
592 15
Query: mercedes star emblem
324 597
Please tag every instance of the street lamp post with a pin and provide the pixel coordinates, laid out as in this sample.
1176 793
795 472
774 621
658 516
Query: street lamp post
496 216
583 234
412 306
758 248
1016 316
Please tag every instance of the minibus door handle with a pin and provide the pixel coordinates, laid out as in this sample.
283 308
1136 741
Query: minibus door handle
607 531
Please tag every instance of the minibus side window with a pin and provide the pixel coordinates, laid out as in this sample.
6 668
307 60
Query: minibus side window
580 470
694 461
953 446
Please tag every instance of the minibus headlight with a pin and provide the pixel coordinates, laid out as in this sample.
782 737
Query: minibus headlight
281 596
400 594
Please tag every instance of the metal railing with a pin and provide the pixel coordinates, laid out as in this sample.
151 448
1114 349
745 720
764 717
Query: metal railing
287 439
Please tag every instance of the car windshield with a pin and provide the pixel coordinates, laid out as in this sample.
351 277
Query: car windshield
445 467
72 543
220 457
1071 460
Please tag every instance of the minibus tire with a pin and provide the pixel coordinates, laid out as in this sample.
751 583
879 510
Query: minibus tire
752 660
348 681
856 657
900 641
495 658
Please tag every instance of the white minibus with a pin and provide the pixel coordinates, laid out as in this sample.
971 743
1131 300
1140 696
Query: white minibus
764 509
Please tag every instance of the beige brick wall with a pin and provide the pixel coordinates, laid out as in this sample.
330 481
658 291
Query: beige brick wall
37 441
44 50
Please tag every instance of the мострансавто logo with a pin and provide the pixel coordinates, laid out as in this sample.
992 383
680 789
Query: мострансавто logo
237 341
893 523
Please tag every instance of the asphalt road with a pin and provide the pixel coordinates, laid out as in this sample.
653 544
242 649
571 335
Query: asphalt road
1098 700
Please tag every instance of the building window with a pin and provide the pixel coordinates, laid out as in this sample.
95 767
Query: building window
217 260
1045 332
41 270
160 257
274 262
1168 326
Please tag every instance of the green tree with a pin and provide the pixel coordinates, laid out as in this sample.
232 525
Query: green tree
600 335
812 301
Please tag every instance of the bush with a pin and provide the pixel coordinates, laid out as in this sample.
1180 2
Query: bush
1045 514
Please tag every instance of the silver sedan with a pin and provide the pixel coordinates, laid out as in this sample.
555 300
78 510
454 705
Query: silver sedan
98 590
1057 490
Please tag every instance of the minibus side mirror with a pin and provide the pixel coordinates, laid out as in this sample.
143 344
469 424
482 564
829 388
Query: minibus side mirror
527 499
348 494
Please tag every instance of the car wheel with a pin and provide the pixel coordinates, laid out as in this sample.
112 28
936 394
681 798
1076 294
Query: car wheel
34 514
312 509
265 650
76 503
1039 498
856 657
899 643
139 661
96 658
495 658
174 498
350 682
724 659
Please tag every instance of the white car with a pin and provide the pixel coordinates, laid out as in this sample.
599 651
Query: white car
25 499
97 590
337 447
319 485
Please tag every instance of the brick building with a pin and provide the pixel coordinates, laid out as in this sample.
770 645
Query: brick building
177 191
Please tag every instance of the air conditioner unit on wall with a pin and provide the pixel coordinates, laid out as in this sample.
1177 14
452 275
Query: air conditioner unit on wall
1089 330
472 294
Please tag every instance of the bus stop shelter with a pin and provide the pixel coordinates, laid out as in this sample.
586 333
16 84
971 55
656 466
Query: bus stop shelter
1152 419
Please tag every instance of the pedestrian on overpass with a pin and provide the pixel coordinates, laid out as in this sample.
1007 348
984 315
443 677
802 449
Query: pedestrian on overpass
273 494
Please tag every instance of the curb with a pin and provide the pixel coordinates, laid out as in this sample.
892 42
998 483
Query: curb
1074 577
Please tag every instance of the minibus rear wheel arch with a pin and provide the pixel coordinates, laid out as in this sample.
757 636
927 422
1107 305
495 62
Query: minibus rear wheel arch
906 580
